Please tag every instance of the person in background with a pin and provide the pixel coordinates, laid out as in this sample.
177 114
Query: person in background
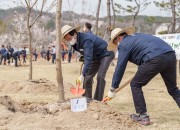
48 53
35 55
153 56
17 55
24 54
3 50
87 27
53 54
11 50
6 57
70 52
64 50
43 52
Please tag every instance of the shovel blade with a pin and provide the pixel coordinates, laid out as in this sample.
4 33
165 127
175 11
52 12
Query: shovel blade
77 91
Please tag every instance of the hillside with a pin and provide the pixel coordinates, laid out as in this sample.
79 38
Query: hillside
147 24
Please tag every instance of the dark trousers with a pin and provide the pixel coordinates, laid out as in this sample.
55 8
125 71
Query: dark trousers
35 57
164 64
16 60
24 59
100 67
48 57
53 58
69 56
63 53
1 59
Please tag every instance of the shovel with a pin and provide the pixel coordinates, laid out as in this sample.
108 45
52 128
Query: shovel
77 90
117 90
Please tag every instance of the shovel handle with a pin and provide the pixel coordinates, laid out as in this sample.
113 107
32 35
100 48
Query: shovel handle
77 87
117 90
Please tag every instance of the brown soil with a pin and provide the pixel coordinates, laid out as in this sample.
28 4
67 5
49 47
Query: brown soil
29 105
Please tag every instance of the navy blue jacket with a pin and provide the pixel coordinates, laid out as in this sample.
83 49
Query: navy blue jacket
17 54
3 50
11 50
92 47
24 52
6 55
137 48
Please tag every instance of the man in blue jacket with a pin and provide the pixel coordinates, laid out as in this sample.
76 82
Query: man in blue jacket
3 55
11 50
96 59
16 55
87 27
153 56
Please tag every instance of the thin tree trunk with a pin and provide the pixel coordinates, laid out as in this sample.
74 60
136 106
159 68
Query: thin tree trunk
97 16
136 13
109 13
173 20
30 54
29 41
114 14
58 50
108 31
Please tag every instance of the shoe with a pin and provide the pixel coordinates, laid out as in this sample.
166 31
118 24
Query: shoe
143 119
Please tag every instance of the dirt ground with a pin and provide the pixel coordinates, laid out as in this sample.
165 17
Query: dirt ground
27 105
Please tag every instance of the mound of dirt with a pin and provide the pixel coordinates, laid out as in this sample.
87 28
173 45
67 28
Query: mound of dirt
34 86
58 116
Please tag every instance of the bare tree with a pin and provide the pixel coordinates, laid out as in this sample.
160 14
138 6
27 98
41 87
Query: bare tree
97 16
137 7
172 6
109 13
32 17
114 13
30 23
107 32
58 45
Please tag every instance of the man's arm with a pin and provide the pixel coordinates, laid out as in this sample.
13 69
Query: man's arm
123 58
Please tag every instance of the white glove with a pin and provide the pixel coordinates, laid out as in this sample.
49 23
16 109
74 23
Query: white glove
111 93
80 80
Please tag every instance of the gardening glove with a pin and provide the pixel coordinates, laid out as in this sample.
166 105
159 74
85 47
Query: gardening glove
111 93
80 80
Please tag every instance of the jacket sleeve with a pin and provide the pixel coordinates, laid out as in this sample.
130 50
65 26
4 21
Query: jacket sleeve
88 55
123 58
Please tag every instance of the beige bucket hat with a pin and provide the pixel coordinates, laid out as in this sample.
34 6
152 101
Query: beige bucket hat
66 29
129 30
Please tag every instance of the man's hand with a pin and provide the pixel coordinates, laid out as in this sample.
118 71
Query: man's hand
111 93
80 80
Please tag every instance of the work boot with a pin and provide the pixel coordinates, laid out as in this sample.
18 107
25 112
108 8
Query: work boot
142 119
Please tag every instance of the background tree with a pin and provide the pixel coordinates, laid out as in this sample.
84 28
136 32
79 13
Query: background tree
114 13
58 58
134 7
30 23
171 6
32 17
107 32
97 16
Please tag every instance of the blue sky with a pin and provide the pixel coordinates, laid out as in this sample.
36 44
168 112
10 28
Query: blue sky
90 7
